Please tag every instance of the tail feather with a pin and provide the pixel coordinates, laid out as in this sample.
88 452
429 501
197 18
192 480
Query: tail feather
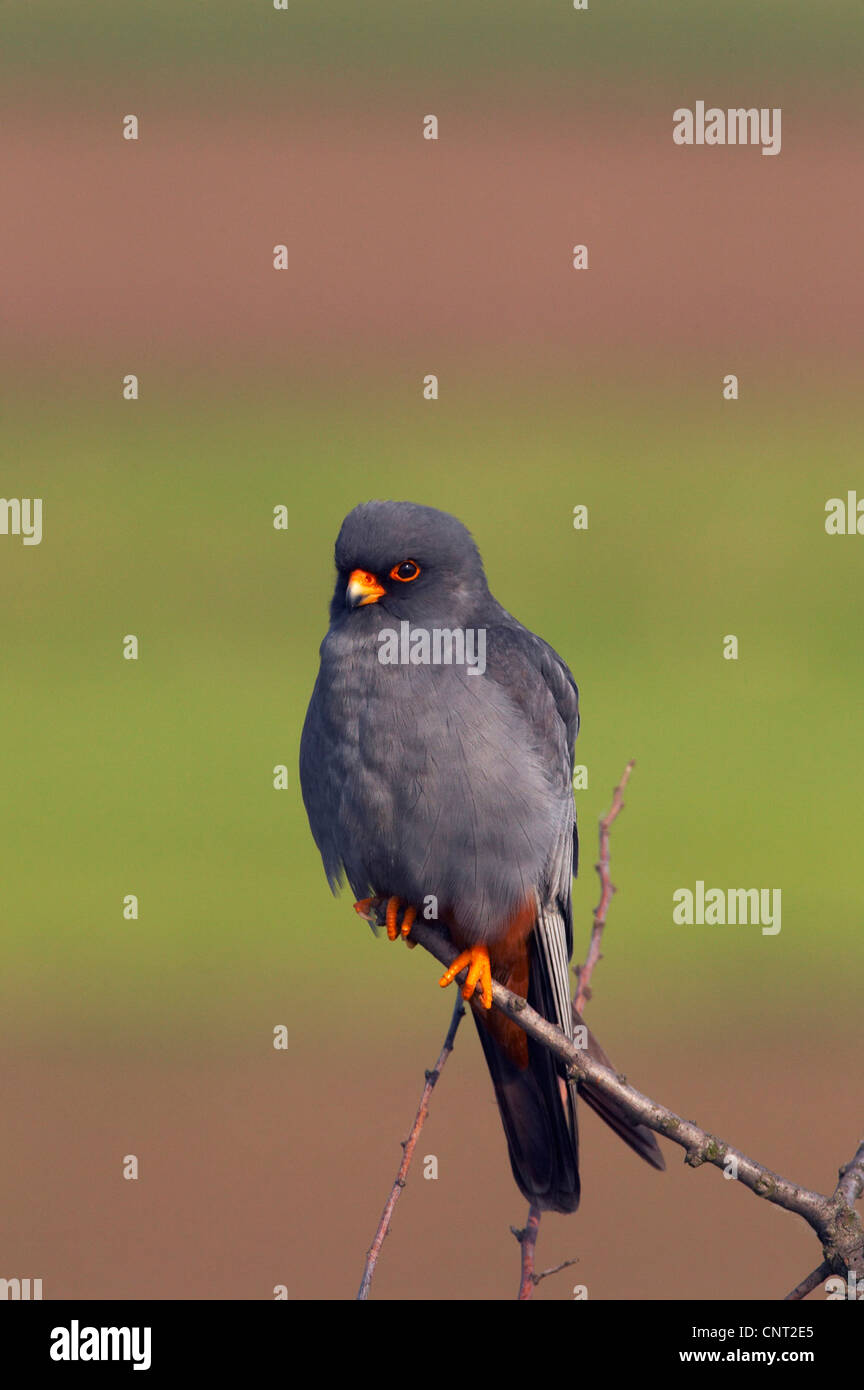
637 1137
538 1112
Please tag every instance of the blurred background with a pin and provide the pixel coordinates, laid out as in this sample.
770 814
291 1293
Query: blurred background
303 388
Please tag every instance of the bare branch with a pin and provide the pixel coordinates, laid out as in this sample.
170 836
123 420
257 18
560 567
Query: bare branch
556 1269
408 1146
813 1280
833 1219
528 1241
607 888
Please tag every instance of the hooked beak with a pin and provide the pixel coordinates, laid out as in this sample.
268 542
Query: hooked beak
363 588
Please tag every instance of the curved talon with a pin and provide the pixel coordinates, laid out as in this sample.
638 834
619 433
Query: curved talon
364 906
408 921
479 972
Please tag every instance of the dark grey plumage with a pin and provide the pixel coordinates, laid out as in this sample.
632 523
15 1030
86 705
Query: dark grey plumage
425 778
429 781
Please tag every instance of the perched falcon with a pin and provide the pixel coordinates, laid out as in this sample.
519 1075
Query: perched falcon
436 764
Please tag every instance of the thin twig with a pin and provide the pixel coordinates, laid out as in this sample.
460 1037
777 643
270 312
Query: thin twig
813 1280
408 1146
607 889
556 1269
528 1242
527 1239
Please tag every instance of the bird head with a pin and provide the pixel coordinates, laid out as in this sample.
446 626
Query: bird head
411 561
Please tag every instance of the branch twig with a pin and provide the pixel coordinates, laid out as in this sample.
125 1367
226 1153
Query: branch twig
556 1269
607 888
835 1222
813 1280
528 1241
528 1280
408 1146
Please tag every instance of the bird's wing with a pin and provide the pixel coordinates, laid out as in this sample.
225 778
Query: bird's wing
319 783
543 688
524 664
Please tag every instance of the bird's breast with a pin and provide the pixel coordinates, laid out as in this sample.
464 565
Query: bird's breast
436 788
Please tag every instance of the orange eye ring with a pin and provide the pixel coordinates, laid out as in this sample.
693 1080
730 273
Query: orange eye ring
405 571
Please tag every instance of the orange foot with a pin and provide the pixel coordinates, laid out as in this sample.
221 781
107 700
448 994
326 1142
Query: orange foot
479 971
366 906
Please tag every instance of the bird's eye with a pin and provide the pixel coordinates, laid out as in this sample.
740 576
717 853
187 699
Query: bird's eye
408 570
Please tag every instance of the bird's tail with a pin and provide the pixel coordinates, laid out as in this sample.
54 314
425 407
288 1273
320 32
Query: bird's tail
538 1111
536 1101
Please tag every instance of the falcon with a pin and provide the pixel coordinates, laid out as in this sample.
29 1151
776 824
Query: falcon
438 788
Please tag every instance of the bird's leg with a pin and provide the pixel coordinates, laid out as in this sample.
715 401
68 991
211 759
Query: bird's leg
479 972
